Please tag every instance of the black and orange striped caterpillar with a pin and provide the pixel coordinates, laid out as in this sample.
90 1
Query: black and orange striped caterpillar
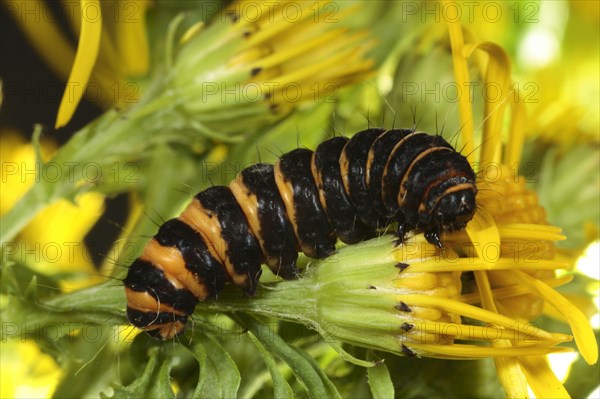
348 189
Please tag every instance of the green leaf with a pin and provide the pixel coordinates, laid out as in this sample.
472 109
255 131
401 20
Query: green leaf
281 389
332 391
379 379
86 360
20 280
567 184
31 293
219 375
154 383
337 346
437 378
304 367
99 305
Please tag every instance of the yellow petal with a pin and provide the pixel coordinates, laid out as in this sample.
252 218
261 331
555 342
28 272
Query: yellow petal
18 166
475 333
530 231
50 246
582 301
541 378
509 371
485 291
289 53
468 264
132 41
49 225
278 25
461 75
27 372
452 306
469 351
109 67
109 62
514 145
510 374
582 331
515 290
87 52
497 74
61 243
482 231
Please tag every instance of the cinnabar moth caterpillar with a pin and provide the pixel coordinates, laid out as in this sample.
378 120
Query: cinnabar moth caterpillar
348 189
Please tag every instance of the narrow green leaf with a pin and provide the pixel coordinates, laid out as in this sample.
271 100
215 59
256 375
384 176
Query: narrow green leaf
219 375
87 364
332 391
335 344
154 383
100 305
306 370
31 293
379 379
281 388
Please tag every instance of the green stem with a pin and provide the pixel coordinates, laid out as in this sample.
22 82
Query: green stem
290 300
105 297
70 159
102 141
100 305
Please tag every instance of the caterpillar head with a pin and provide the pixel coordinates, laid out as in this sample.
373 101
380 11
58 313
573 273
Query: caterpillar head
456 208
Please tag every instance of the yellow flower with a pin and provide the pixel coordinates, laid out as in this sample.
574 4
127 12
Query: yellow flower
515 277
27 372
402 299
567 109
545 39
111 50
518 278
52 243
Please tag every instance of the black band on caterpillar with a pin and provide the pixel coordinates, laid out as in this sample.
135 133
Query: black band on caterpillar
347 189
300 195
256 192
353 164
342 214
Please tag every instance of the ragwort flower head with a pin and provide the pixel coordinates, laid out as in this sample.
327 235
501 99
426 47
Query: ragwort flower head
258 61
